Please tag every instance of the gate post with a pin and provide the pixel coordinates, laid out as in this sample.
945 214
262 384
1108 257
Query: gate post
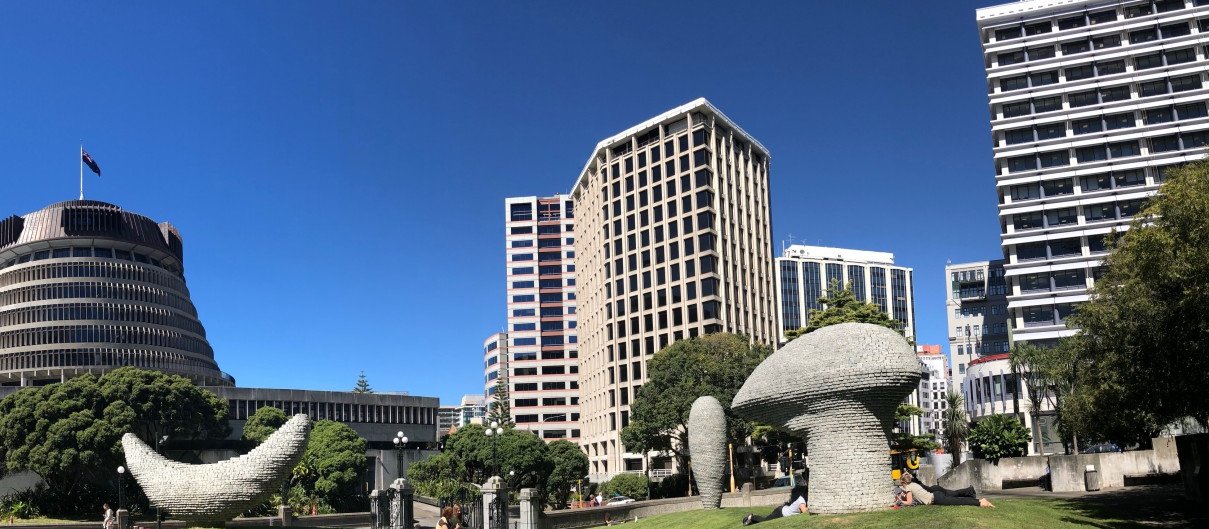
531 509
405 496
373 509
492 490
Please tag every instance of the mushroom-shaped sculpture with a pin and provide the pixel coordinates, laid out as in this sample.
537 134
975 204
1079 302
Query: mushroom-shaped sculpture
838 387
707 444
209 495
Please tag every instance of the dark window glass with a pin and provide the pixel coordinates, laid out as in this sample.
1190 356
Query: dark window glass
1054 158
1095 182
1094 153
1119 121
1133 177
1041 52
1072 22
1143 35
1038 28
1188 82
1193 140
1082 99
1180 56
1139 10
1073 47
1061 217
1124 149
1152 88
1203 24
1026 192
1030 251
1047 104
1110 67
1013 83
1175 30
1022 163
1143 62
1057 188
1130 208
1044 78
1013 137
1102 17
1086 126
1117 93
1011 110
1007 33
1107 41
1163 6
1080 72
1034 282
1158 115
1051 131
1028 221
1011 57
1191 110
1065 247
1096 212
1165 143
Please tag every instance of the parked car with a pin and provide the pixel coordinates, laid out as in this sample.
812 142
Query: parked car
1101 449
783 481
618 500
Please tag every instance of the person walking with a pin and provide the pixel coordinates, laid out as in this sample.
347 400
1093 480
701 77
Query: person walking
107 522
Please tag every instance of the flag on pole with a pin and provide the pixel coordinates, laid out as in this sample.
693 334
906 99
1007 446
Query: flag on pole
92 164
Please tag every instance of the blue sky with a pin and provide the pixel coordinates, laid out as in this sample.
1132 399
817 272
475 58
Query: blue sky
338 169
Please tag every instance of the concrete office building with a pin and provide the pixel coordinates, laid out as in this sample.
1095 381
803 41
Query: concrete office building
1090 102
495 363
804 273
976 305
543 363
674 242
86 287
447 419
471 410
933 387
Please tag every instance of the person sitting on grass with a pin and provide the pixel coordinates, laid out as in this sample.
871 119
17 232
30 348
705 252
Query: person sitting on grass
797 505
917 494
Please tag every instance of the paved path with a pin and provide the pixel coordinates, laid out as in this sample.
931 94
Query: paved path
1156 505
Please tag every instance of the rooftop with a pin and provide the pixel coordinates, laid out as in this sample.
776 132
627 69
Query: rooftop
801 251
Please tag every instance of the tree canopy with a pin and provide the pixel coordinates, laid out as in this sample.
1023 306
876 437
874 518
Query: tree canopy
568 465
997 436
70 433
331 467
714 364
841 306
362 384
500 411
468 458
263 423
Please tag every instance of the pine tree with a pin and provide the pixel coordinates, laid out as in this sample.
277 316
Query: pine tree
501 411
362 385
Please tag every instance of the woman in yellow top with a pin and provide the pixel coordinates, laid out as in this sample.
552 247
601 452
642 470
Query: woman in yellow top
917 494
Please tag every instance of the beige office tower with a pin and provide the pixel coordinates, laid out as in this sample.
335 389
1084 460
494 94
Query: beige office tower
674 241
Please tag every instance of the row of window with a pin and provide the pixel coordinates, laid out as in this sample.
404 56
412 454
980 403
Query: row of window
1117 121
1110 94
1108 151
542 243
1083 45
100 311
546 370
978 311
544 283
112 291
546 340
1079 20
546 386
981 330
548 401
544 270
542 256
103 253
1053 218
1140 62
106 357
981 347
545 297
993 388
544 311
545 229
546 211
1042 315
104 334
1048 282
646 216
241 410
554 325
106 269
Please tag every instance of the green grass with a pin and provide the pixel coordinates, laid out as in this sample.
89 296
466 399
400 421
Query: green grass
1007 514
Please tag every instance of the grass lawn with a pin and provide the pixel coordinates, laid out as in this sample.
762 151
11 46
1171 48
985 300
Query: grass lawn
1007 514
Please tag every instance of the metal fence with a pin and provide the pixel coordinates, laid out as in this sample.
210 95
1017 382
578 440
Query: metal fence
467 498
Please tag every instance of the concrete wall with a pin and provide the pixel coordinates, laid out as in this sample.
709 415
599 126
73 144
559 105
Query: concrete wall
595 516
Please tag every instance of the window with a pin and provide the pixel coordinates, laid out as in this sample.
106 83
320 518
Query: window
1158 115
1099 212
1026 192
1143 35
1102 17
1044 52
1110 67
1107 41
1078 46
1119 121
1152 88
1193 140
1013 83
1034 282
1163 6
1047 104
1086 126
1035 316
1175 30
1008 33
1011 110
1022 163
1143 62
1189 82
1067 279
1191 111
1134 177
1061 217
1056 158
1077 73
1065 247
1072 22
1051 131
1095 182
1015 136
1180 56
1118 93
1011 57
1124 149
1054 188
1030 251
1038 28
1028 221
1165 143
1082 99
1044 78
1138 10
1130 208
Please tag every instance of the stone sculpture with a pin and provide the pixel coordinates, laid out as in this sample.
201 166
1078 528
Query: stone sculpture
707 445
209 495
838 387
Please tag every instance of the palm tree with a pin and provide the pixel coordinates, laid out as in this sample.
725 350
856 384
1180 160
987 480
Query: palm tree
957 425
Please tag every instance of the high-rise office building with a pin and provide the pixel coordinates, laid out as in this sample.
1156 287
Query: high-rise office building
804 274
1090 102
933 386
495 364
86 287
674 242
976 305
543 353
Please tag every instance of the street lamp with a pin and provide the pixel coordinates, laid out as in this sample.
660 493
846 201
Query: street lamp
158 517
400 442
494 432
121 471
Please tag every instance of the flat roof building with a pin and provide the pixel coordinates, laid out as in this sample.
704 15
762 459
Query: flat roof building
977 311
673 241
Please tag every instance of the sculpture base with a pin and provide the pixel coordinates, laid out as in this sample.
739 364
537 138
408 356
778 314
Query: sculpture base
849 462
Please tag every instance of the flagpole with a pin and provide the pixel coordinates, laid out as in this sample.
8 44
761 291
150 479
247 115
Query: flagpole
81 169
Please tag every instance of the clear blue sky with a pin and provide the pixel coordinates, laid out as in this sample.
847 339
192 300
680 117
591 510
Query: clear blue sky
338 169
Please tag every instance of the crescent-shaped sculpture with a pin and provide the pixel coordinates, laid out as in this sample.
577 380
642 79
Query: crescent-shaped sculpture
209 495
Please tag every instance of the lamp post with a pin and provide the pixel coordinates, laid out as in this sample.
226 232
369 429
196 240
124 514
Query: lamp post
158 516
121 472
493 432
400 442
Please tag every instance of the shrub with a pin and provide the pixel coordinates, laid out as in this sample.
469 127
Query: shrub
627 484
999 436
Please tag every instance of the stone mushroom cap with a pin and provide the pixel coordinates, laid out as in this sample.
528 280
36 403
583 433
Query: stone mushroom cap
849 361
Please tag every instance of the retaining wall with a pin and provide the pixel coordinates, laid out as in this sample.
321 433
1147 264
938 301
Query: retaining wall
595 516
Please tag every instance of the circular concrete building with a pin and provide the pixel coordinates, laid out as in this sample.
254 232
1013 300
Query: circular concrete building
86 287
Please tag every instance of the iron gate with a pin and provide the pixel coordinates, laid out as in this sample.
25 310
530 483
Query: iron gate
380 508
469 499
499 511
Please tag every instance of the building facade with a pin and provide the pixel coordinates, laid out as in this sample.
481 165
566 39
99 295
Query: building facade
977 308
933 387
990 387
543 363
805 273
674 241
495 363
1090 102
471 410
86 287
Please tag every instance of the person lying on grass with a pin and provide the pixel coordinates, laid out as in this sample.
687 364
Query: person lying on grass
797 505
917 494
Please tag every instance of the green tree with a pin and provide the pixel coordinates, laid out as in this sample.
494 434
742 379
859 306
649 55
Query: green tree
501 411
568 465
69 433
439 476
714 365
516 451
841 306
362 384
331 467
263 423
903 440
624 484
998 436
957 425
